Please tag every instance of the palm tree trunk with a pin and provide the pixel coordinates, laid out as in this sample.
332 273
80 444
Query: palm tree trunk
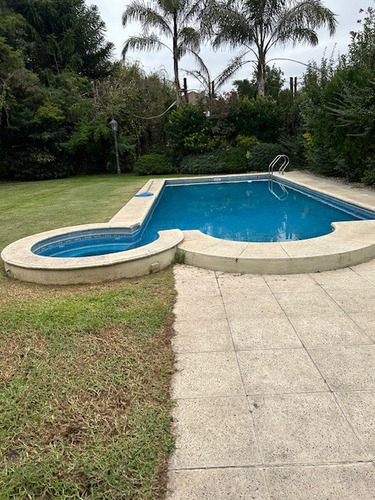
261 74
175 59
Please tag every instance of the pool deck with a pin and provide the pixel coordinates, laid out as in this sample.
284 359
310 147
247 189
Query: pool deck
275 385
275 380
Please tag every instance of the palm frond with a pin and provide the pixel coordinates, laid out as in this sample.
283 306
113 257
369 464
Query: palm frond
298 22
147 16
226 25
198 75
234 65
189 38
143 42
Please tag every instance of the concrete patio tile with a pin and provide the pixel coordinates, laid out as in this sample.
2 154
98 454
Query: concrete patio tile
205 283
359 408
352 300
333 482
303 428
190 308
262 332
218 484
367 274
366 321
368 266
279 371
202 336
216 432
186 273
241 283
306 303
347 368
237 306
290 282
332 329
206 374
341 279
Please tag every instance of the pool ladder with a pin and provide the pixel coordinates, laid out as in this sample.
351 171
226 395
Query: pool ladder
285 163
274 162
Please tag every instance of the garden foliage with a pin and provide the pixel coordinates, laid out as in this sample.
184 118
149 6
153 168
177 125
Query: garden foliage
338 110
59 90
153 164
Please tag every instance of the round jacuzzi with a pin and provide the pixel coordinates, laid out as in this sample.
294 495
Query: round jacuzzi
90 242
89 253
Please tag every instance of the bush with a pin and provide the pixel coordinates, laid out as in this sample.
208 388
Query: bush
246 142
369 174
234 160
261 118
227 161
153 164
29 162
186 129
262 155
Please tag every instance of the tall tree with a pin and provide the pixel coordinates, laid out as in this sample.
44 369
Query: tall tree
63 35
171 19
260 25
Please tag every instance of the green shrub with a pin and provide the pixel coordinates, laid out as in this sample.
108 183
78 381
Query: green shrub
369 174
227 161
261 118
206 163
234 160
186 129
246 142
30 162
153 164
262 155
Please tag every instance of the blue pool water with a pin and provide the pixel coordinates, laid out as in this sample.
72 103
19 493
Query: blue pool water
240 211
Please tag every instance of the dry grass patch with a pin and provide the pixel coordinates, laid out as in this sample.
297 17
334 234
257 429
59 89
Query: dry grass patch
84 390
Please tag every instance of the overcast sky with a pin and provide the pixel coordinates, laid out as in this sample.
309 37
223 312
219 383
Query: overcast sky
347 15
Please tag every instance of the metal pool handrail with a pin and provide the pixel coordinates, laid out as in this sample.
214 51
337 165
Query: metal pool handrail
282 167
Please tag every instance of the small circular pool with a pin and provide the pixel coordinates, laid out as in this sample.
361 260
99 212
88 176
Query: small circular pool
90 243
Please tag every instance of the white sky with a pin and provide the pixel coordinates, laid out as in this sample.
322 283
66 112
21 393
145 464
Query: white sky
347 15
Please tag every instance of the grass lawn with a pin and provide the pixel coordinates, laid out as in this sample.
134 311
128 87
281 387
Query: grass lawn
84 370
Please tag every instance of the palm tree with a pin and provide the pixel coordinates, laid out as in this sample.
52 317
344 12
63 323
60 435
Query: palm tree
171 19
260 25
211 85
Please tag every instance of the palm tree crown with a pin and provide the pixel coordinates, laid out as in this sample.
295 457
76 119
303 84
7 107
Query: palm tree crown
259 25
169 18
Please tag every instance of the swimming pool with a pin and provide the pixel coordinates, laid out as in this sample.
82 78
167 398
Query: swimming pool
250 210
247 210
137 241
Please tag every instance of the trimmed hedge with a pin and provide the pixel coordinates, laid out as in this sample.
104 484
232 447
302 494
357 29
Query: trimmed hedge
228 161
153 164
262 155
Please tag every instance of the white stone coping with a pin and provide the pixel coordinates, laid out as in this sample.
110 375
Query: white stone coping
136 210
19 253
360 196
349 244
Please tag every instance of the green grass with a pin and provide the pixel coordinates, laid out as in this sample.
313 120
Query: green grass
84 370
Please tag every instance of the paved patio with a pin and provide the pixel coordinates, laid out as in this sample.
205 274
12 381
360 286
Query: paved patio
275 386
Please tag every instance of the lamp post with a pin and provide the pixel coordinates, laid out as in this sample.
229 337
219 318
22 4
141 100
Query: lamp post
114 127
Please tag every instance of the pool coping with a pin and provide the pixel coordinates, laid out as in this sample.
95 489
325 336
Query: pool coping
350 243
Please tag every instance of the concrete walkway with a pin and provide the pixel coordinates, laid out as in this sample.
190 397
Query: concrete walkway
275 386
